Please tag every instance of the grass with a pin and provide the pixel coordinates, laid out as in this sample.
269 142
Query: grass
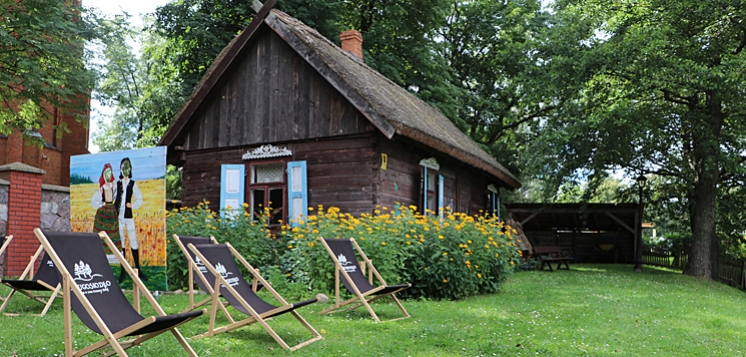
591 310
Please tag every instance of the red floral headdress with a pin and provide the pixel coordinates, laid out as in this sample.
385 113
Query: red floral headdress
102 179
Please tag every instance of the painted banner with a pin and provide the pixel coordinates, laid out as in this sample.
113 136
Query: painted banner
124 194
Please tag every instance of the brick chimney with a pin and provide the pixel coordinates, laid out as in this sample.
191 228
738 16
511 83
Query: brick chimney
352 42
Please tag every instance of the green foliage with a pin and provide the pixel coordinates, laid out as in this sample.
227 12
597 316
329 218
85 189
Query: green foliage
42 63
173 182
452 258
650 87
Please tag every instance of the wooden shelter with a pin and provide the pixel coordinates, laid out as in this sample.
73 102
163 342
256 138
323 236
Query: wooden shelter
287 119
593 232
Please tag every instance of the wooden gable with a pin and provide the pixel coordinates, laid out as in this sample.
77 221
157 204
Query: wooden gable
271 94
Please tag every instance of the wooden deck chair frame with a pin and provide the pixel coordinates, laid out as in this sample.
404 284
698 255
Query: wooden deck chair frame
192 265
254 317
110 340
361 299
47 300
3 247
194 269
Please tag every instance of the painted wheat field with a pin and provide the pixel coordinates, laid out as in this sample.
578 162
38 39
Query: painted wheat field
150 219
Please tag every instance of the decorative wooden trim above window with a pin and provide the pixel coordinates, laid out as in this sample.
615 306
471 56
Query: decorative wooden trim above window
492 188
265 152
430 163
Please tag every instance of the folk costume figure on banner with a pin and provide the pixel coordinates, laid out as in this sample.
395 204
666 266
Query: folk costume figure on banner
128 198
103 201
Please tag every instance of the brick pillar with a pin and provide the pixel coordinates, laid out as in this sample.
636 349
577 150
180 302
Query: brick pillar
24 214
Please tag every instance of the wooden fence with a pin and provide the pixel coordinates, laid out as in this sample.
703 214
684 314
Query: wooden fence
731 271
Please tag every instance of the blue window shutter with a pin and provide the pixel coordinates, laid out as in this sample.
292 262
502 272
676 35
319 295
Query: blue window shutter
231 189
297 191
441 195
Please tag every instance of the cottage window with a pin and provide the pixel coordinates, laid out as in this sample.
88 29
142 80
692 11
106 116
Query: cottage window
267 190
430 191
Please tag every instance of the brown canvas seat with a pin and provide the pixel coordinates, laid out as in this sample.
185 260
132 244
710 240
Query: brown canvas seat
352 274
44 281
90 289
198 273
230 283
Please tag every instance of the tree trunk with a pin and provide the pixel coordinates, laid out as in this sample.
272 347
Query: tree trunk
706 142
703 227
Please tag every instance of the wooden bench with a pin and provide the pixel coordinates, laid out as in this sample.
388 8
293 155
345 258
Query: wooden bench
549 254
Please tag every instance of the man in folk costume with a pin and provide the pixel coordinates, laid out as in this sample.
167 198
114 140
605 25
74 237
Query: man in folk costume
128 197
106 211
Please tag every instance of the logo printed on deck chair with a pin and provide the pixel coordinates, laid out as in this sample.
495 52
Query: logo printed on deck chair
200 265
83 272
346 264
221 269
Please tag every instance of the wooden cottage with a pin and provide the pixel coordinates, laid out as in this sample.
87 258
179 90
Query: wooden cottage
285 118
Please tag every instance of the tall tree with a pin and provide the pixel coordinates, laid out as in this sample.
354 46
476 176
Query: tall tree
490 47
42 63
655 87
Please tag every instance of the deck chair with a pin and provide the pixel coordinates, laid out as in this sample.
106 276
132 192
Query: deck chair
230 283
3 247
45 280
90 289
199 274
353 277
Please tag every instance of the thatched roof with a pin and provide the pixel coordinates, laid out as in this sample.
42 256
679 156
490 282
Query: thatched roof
390 108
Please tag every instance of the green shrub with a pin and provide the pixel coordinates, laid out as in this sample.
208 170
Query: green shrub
448 258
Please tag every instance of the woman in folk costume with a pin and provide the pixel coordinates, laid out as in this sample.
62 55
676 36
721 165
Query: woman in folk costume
128 198
106 212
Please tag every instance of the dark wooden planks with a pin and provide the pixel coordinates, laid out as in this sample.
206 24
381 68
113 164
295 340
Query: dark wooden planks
272 95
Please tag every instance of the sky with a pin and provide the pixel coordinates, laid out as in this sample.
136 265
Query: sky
147 163
136 8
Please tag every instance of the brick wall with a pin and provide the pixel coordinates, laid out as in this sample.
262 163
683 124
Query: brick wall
24 214
23 208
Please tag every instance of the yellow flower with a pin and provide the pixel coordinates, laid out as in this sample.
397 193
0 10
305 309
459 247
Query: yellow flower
445 253
310 208
383 243
245 205
445 281
479 275
290 246
310 244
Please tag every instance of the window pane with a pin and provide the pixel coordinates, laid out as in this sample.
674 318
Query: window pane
430 181
431 202
267 173
275 205
257 202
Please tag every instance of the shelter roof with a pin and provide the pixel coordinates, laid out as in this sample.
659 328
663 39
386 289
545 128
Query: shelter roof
575 216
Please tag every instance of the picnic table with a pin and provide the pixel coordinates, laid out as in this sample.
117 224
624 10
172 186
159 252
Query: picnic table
550 254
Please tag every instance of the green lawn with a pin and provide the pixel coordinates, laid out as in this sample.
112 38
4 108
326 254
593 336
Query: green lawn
592 310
